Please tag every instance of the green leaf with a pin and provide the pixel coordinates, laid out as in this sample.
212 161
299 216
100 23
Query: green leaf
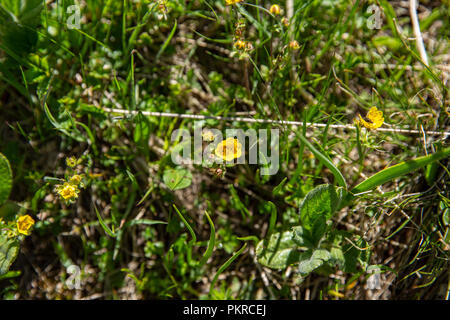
224 266
18 22
278 190
317 208
9 248
5 179
279 251
142 129
178 178
166 43
325 161
302 237
10 274
104 225
311 260
399 170
211 243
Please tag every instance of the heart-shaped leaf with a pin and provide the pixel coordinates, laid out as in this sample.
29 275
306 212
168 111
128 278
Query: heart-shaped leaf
178 178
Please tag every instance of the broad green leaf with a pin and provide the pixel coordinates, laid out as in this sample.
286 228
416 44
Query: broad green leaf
302 237
337 256
317 208
5 179
178 178
279 251
311 260
399 170
9 248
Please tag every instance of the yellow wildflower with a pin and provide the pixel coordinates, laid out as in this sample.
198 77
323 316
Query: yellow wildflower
68 191
24 224
285 21
376 119
71 162
275 9
240 44
76 179
294 45
208 135
231 2
229 149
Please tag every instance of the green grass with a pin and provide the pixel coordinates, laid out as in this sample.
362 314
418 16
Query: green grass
142 228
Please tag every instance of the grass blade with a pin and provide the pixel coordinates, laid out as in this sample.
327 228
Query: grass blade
188 226
211 243
224 266
166 43
103 224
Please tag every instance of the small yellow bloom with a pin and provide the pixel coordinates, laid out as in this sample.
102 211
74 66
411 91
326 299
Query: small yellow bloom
76 179
71 162
240 44
376 119
68 191
229 149
275 9
294 45
285 21
231 2
208 135
24 224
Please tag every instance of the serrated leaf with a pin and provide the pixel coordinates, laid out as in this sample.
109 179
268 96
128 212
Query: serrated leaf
5 179
317 208
9 248
279 251
311 260
178 178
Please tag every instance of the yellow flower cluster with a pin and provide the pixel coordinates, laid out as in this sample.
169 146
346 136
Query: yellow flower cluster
229 149
69 190
375 118
239 43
